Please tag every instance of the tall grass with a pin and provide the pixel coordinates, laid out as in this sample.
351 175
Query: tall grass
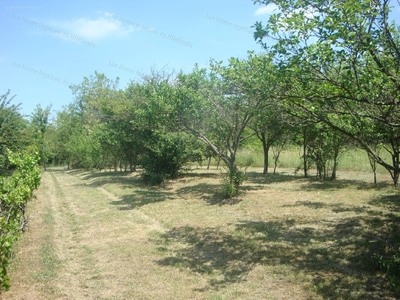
353 160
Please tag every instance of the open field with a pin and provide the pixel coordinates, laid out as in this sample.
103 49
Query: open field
108 236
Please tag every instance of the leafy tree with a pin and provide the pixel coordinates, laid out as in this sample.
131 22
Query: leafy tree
39 125
13 129
165 155
165 148
259 78
15 191
68 124
343 60
213 107
97 102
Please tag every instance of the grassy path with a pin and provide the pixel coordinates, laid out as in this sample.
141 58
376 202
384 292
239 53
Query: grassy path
80 247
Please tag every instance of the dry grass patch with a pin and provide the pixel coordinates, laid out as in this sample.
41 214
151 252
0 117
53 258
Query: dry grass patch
284 237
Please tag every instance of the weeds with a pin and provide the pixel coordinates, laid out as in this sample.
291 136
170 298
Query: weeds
231 181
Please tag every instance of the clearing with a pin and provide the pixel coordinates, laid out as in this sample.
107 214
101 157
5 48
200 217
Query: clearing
109 236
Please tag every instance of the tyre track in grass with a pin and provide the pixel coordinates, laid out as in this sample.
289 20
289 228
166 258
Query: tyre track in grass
77 268
34 266
96 241
99 251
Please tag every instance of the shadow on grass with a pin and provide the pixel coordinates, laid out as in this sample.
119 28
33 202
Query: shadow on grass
311 182
315 184
391 202
140 198
259 178
339 256
197 174
211 194
95 179
335 207
208 192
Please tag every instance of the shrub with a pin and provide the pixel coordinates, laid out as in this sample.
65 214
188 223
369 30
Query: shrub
15 191
231 181
165 155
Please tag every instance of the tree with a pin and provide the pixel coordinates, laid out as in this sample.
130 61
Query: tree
259 78
39 125
343 60
13 129
97 99
165 148
216 108
68 125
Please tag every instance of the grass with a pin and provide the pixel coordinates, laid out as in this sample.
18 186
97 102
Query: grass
353 160
317 235
49 261
283 237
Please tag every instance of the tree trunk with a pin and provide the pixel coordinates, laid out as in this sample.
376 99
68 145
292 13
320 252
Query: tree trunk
209 162
276 158
131 165
396 174
335 163
305 166
396 171
266 152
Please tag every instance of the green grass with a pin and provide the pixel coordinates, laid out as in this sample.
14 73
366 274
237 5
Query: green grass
283 237
353 160
321 236
49 262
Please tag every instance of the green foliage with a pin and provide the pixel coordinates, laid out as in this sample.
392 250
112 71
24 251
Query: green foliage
165 155
322 148
340 62
15 191
39 126
84 151
13 129
386 253
231 181
390 265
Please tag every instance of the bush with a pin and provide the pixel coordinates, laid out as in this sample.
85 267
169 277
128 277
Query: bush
165 155
15 191
387 259
231 181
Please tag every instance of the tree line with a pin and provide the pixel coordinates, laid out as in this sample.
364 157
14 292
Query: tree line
328 82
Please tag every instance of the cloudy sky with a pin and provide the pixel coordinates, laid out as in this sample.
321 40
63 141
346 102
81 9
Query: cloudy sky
47 46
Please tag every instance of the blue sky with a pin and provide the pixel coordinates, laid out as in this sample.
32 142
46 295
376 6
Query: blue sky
47 46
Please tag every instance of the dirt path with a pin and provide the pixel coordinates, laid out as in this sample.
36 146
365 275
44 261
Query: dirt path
86 249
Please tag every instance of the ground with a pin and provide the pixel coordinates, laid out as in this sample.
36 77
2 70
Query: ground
108 236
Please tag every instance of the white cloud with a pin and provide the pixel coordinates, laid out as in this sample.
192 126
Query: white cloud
95 29
266 10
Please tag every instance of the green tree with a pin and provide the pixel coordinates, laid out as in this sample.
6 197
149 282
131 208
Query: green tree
13 129
342 63
258 78
214 107
94 144
68 125
165 148
39 125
